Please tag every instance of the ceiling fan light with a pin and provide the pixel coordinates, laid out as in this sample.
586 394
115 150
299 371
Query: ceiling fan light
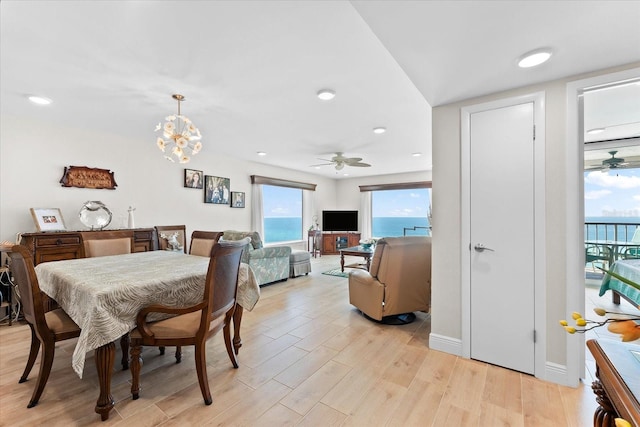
39 100
535 57
326 94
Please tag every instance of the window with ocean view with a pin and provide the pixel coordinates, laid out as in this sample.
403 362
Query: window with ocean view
611 204
282 207
393 211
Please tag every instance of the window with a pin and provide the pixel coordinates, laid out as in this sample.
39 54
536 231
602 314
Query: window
282 209
400 212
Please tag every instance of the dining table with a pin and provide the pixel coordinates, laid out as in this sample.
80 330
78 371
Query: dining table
103 295
629 269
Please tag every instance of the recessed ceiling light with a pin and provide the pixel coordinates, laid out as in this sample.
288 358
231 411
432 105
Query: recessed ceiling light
416 154
261 153
535 57
379 130
40 100
595 131
326 94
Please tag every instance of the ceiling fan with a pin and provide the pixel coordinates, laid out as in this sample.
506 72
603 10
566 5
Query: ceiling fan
341 161
613 163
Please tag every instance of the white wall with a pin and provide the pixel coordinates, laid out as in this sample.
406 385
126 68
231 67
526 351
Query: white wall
33 156
446 281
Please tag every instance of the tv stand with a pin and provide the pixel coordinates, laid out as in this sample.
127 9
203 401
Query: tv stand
332 242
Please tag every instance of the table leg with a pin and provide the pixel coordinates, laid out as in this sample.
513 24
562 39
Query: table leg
237 319
368 262
105 357
124 345
341 262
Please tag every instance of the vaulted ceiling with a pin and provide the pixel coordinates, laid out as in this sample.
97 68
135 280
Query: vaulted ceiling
250 70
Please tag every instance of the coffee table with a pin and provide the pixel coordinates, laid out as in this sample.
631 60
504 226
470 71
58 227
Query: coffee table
366 253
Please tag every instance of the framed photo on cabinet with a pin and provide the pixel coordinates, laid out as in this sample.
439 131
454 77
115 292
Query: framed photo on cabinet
48 219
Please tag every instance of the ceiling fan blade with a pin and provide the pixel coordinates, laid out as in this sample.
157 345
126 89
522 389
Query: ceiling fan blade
359 165
595 167
350 160
321 164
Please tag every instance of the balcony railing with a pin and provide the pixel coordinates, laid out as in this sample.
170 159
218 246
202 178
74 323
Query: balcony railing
415 230
598 253
618 232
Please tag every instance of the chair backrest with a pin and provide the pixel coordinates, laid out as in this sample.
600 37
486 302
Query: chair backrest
168 230
202 242
106 247
403 265
27 281
221 286
256 240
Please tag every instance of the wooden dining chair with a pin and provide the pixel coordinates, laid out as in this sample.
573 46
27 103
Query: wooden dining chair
47 328
194 325
106 247
202 242
168 230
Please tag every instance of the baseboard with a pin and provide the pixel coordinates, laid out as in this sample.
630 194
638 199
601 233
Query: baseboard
557 374
445 344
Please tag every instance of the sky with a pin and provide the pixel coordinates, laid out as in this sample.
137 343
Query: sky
287 202
281 201
402 203
612 193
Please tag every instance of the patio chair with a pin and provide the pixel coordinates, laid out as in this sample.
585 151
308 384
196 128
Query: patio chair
597 254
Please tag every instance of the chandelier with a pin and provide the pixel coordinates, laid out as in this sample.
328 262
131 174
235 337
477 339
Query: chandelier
179 135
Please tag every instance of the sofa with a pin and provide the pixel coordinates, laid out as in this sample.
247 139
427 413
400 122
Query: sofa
270 264
398 281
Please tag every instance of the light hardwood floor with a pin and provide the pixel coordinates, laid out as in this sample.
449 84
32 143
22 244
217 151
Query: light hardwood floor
309 359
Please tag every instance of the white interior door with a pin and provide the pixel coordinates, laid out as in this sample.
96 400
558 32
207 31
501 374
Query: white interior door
502 250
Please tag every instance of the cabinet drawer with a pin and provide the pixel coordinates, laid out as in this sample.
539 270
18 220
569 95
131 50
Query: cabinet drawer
49 241
146 235
57 255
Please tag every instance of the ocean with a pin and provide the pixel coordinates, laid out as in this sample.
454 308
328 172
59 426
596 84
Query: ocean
618 228
282 229
394 226
285 229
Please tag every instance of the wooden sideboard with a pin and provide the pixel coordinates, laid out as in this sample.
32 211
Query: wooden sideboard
617 387
56 246
333 242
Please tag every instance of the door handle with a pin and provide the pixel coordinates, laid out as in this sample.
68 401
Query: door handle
479 247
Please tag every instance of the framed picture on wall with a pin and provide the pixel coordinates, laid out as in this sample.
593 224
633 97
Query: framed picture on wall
216 190
48 219
237 199
193 178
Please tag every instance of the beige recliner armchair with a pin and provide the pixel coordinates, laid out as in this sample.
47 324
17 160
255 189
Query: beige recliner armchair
398 281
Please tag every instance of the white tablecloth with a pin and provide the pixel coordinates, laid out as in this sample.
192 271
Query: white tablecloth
103 295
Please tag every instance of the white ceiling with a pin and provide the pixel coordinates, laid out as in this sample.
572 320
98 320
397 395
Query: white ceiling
250 70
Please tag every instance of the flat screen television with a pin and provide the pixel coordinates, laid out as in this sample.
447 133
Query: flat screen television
340 220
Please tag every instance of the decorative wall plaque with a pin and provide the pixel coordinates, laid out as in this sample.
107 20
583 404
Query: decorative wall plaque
84 177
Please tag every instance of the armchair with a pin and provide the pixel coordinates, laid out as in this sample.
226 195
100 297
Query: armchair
269 264
398 281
